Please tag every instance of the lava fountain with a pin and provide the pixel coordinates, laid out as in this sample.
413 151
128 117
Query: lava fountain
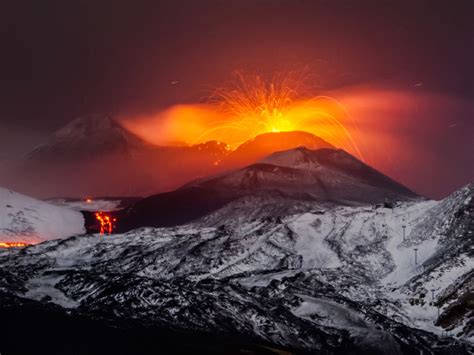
250 105
254 105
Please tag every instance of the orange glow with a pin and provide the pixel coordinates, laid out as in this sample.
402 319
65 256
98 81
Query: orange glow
89 200
250 106
13 245
106 222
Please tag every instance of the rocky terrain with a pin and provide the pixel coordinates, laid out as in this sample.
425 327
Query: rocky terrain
334 279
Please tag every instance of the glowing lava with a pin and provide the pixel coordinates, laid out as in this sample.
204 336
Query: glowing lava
253 105
106 222
258 104
13 245
249 106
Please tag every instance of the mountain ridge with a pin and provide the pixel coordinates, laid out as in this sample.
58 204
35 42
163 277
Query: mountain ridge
317 281
330 183
85 135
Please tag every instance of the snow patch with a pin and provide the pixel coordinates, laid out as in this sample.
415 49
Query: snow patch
25 219
311 244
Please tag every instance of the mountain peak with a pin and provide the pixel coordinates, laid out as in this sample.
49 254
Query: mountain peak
268 143
325 174
336 160
88 134
89 124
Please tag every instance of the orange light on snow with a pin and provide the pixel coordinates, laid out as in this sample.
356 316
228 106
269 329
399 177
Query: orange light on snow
89 200
106 222
13 244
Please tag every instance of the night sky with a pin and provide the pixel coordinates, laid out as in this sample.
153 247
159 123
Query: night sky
63 59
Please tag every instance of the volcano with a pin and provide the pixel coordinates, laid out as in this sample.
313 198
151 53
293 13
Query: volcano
284 179
312 242
88 136
323 174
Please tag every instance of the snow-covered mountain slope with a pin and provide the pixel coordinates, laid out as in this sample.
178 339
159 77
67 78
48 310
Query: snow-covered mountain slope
329 280
322 174
338 162
27 220
286 182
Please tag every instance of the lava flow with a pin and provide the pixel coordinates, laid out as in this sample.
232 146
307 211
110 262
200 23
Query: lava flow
106 222
13 245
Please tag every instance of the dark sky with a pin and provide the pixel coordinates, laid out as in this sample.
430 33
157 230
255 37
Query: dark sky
62 59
